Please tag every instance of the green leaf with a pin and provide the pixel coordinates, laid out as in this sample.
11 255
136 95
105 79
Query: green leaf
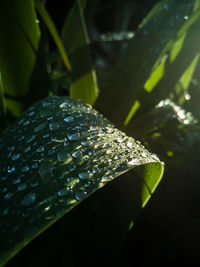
19 51
84 84
159 63
58 153
52 29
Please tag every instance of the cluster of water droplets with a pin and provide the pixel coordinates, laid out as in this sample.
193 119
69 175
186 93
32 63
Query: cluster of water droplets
56 154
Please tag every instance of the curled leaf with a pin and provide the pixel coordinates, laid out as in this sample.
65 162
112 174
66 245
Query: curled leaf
56 154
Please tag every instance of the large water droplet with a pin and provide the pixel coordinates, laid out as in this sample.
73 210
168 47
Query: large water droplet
84 175
74 137
77 154
54 125
45 172
62 156
40 127
28 199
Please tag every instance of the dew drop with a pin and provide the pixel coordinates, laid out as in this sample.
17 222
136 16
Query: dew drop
25 169
11 169
46 104
22 187
62 156
63 192
85 143
31 139
5 212
15 156
54 125
77 154
74 137
35 165
80 195
40 127
40 149
64 105
84 175
69 119
28 199
93 129
45 172
27 149
16 181
8 196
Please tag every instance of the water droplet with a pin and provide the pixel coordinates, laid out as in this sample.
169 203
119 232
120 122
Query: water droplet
62 156
16 181
74 137
26 123
12 148
84 175
25 169
109 151
85 143
54 125
28 199
31 139
15 156
31 113
5 211
51 152
93 129
45 171
8 196
69 119
117 157
11 169
46 104
77 154
63 192
80 195
65 105
35 165
166 6
40 127
27 149
40 149
22 187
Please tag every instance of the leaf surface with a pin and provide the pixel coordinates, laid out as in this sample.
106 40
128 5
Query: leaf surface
58 153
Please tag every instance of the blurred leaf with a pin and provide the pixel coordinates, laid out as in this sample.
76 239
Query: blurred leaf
19 51
159 63
61 152
52 29
84 85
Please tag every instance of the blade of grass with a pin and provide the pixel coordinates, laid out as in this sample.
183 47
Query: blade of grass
84 85
54 33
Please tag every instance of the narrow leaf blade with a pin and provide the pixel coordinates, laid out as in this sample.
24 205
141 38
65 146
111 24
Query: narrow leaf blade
84 85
